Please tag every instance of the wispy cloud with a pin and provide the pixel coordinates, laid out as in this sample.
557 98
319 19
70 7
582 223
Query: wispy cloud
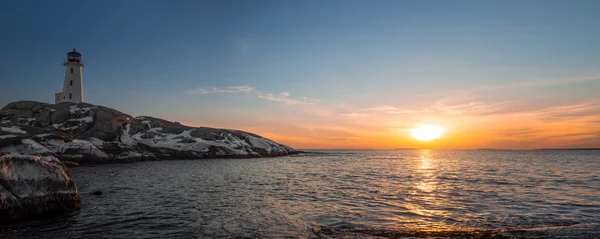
393 110
581 111
442 107
230 89
283 97
470 107
544 83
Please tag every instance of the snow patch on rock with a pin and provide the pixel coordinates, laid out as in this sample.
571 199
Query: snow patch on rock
13 129
74 109
7 136
88 119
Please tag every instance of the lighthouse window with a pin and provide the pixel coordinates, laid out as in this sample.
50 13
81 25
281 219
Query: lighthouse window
71 70
70 82
70 96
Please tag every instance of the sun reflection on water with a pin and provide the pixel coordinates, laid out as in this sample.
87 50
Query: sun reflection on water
424 200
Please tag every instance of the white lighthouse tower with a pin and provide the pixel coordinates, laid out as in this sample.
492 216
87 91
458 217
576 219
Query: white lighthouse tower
73 85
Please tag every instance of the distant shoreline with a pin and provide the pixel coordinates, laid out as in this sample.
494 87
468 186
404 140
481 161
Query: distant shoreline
570 149
480 149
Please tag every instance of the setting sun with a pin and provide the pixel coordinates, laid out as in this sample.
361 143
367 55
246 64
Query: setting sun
427 132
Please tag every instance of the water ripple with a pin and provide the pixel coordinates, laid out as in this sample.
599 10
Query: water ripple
405 193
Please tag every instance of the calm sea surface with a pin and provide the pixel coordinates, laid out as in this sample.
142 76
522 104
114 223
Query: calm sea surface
403 193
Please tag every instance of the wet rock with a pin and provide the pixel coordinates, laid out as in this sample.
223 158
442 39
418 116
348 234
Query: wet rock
70 164
32 186
96 193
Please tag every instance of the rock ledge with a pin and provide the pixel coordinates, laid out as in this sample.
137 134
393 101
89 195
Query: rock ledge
91 134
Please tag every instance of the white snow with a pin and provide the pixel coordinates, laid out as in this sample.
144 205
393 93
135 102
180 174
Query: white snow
260 143
186 133
126 138
156 129
70 128
74 108
128 155
88 119
31 147
7 136
82 147
13 129
75 147
29 120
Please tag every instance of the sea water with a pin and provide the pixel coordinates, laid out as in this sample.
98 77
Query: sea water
397 193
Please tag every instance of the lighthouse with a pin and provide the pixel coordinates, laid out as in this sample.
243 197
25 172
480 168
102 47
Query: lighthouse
73 84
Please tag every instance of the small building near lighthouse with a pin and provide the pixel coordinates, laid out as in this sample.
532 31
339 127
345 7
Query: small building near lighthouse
73 84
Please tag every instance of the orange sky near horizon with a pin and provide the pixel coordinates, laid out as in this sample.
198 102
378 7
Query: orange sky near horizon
468 125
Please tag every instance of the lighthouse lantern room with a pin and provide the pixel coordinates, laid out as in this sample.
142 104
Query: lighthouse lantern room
73 84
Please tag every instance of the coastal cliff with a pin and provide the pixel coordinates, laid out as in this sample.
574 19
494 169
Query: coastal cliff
91 134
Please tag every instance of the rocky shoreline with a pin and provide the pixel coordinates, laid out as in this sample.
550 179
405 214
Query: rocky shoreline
38 141
90 134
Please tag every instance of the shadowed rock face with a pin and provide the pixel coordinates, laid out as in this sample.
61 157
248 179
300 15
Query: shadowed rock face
32 185
87 133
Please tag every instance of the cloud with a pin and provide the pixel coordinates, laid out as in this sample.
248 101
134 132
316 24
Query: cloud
474 107
393 110
243 47
245 89
534 84
353 115
284 97
230 89
523 132
443 108
581 111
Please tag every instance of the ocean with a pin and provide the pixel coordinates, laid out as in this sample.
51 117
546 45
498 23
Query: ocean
331 194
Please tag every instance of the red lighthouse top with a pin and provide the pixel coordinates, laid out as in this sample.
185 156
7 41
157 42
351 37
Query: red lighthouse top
74 56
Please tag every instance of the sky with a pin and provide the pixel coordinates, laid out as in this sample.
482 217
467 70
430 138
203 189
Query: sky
324 74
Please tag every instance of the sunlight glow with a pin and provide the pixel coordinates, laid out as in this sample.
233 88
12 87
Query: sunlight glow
427 132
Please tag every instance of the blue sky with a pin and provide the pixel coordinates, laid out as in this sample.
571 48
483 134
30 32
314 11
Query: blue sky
304 63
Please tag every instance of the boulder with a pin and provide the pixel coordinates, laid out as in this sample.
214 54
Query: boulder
107 124
32 186
43 118
59 116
